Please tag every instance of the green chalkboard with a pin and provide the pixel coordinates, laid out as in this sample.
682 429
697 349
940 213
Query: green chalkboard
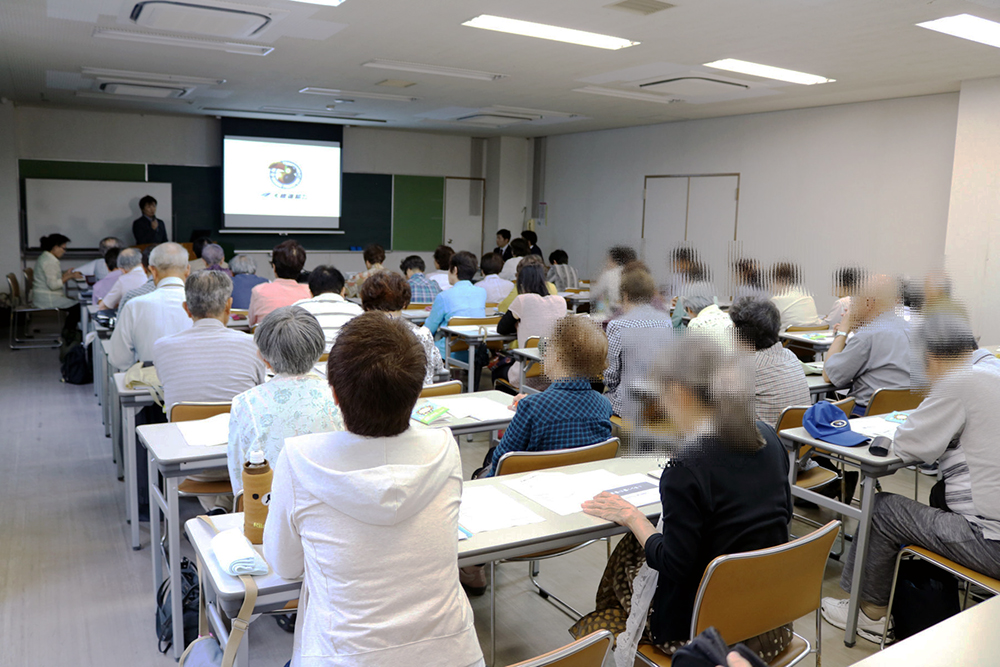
418 213
81 171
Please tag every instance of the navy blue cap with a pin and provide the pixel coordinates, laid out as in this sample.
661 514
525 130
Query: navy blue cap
825 421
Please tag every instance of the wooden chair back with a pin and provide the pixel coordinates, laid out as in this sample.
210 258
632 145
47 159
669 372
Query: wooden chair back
185 412
575 290
589 651
29 282
457 345
746 594
14 289
323 358
417 306
792 417
884 401
442 389
515 462
536 370
491 304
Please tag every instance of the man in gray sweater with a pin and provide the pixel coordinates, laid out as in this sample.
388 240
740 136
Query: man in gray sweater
957 424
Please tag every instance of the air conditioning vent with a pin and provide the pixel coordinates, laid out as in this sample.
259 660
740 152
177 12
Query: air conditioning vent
693 86
494 119
644 7
141 90
200 18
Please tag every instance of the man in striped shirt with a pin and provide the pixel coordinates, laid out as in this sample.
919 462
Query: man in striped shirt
328 304
422 288
779 381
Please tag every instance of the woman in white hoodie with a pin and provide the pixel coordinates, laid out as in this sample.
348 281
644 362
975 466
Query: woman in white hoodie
369 517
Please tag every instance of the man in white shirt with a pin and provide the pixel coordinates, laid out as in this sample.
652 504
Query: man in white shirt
208 362
98 268
795 304
496 287
133 275
442 260
147 318
328 304
521 249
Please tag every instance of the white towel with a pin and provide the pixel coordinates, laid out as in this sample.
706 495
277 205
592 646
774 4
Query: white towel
643 589
236 555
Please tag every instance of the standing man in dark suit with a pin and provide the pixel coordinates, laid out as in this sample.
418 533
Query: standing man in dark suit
147 228
503 244
532 239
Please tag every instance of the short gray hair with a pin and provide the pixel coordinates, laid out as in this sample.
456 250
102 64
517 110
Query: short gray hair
109 242
290 339
242 264
213 254
206 293
128 259
169 256
697 303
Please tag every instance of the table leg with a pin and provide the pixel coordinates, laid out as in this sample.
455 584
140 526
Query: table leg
131 483
447 353
154 523
864 524
174 550
525 365
473 381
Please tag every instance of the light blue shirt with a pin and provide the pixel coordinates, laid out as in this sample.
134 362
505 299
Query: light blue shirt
463 300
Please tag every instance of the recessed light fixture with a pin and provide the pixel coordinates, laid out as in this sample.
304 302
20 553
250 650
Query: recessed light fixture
121 74
553 32
145 37
347 96
421 68
967 26
768 72
325 3
626 94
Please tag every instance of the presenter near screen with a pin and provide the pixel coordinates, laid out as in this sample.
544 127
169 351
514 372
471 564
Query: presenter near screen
147 228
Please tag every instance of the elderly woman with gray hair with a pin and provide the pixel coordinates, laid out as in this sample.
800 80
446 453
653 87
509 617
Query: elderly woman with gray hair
245 278
295 402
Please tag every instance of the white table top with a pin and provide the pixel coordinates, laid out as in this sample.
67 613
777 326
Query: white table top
92 308
858 454
817 339
416 314
136 394
474 331
527 353
968 638
469 424
485 546
817 384
167 445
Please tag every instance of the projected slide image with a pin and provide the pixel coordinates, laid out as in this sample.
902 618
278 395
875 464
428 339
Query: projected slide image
267 182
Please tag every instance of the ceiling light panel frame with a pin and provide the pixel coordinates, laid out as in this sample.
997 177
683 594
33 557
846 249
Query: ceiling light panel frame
421 68
162 39
550 32
347 96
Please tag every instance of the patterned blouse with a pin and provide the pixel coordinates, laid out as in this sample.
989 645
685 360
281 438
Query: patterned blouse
262 417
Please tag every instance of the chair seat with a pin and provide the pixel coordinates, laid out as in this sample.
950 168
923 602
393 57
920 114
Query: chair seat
818 476
960 570
796 648
195 488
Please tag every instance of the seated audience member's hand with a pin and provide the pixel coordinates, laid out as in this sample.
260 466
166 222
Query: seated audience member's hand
513 405
734 659
609 506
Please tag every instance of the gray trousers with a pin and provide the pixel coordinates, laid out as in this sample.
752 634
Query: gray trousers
899 522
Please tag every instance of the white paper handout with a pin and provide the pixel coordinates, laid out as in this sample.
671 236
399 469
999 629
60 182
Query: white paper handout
481 409
875 426
563 494
488 508
206 432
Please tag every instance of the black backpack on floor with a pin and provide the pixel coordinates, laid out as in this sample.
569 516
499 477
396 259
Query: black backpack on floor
77 367
190 597
925 596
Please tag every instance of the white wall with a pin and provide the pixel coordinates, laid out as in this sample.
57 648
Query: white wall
508 186
974 212
864 183
10 249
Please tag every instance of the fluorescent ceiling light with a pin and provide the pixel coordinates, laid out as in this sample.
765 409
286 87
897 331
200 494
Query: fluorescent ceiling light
968 27
553 32
626 94
119 74
144 37
325 3
129 98
768 72
347 96
403 66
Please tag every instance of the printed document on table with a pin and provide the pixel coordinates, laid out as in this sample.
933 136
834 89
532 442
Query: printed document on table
481 409
563 494
487 508
873 427
206 432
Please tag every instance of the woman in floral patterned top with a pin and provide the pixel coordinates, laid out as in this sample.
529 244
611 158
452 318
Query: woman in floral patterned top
296 402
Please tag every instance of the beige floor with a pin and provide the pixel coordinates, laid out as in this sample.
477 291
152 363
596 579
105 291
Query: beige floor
72 592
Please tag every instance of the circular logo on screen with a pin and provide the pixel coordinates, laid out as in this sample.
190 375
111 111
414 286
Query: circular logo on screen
286 175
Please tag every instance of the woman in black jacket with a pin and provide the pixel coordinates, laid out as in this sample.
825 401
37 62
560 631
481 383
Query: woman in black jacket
725 490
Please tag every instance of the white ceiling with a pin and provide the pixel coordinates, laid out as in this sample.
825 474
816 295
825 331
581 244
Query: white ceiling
871 47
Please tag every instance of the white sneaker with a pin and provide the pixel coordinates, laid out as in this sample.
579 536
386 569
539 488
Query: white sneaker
835 613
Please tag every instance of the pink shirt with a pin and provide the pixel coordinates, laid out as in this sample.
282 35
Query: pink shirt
537 315
267 296
104 285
